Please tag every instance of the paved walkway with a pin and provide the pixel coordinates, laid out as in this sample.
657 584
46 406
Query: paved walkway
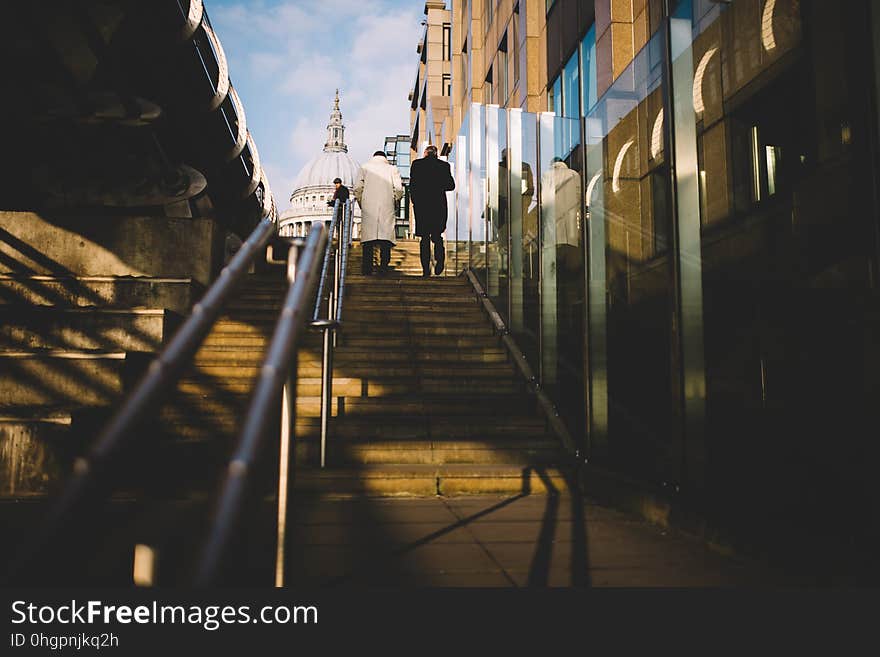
500 542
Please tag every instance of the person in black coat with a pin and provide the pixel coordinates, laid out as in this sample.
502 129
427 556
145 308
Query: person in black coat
429 180
341 193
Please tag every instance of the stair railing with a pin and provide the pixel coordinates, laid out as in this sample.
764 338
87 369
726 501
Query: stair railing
276 383
89 480
337 249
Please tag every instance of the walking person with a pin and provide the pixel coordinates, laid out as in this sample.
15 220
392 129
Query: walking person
377 189
429 180
339 194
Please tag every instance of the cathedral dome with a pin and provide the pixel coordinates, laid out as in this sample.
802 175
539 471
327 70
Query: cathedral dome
324 167
313 186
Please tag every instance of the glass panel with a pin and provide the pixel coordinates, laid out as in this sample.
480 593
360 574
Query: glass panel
477 201
571 93
588 70
562 295
554 97
631 275
458 245
786 261
524 241
497 210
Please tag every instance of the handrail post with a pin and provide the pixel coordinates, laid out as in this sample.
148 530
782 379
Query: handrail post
326 390
286 461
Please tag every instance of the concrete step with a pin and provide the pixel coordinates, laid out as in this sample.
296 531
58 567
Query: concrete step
28 462
177 294
346 453
426 480
437 297
434 404
357 387
355 283
186 423
345 356
415 329
122 329
418 342
54 377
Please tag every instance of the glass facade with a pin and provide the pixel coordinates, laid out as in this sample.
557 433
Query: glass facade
690 264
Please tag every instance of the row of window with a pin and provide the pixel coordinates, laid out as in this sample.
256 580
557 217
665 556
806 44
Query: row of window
497 86
573 93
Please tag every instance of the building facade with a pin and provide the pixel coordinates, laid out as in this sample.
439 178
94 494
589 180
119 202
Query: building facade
429 99
397 149
314 187
681 232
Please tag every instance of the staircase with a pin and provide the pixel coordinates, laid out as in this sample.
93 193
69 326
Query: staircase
426 401
70 346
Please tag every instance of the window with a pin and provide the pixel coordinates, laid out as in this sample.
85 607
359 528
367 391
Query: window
571 92
554 97
500 74
487 88
514 35
447 84
588 70
447 42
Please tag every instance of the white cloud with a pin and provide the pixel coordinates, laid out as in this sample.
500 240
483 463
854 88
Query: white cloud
293 54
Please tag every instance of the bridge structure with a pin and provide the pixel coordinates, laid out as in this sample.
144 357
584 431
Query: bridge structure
186 398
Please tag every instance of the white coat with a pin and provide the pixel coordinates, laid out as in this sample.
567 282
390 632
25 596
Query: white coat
377 187
561 199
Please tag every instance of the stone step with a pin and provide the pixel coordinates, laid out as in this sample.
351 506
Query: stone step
342 453
186 423
421 329
122 329
27 461
355 283
426 480
419 342
54 377
345 356
434 297
365 387
177 294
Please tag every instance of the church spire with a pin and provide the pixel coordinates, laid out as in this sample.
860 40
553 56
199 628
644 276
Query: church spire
335 130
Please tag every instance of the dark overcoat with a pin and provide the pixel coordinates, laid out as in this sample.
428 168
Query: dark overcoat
429 180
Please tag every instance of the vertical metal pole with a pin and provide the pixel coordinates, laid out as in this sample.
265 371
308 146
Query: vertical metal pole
326 392
286 456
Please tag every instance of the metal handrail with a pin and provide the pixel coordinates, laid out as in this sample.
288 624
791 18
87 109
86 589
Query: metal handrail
278 371
90 471
332 322
325 267
346 238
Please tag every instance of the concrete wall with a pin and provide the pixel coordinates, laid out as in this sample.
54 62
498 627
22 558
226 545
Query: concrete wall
110 246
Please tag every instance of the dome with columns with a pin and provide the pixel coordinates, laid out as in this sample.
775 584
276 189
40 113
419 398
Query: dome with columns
313 186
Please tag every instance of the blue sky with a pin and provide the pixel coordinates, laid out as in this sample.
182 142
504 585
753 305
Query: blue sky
286 58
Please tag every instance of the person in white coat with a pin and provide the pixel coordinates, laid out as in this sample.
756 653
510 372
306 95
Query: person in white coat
377 189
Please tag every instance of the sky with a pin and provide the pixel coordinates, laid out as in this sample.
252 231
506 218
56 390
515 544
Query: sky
286 59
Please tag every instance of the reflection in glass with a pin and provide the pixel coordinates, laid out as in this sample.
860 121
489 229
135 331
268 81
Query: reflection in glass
497 211
520 167
562 296
588 70
477 184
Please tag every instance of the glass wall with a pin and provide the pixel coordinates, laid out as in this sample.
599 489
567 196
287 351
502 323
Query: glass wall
588 71
562 265
631 272
477 192
691 266
787 241
497 208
